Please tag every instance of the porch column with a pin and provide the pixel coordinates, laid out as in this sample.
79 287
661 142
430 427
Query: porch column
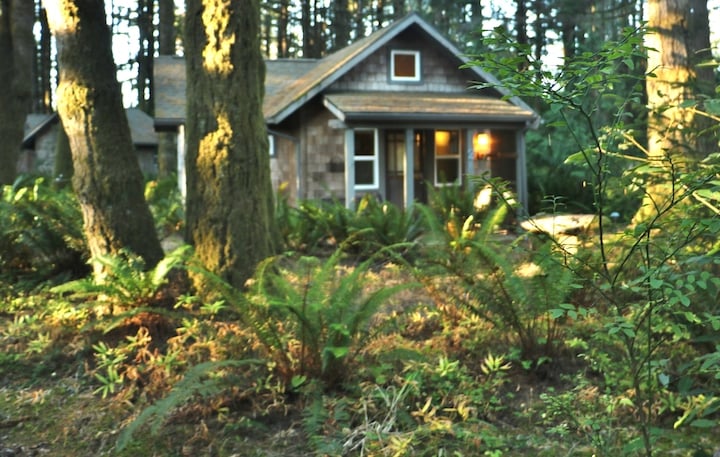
409 184
469 158
181 174
349 168
521 172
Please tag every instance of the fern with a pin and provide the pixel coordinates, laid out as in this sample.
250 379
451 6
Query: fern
313 318
196 382
126 282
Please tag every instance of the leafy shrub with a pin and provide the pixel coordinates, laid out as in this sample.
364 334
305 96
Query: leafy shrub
163 197
311 316
499 280
313 226
378 225
128 286
41 232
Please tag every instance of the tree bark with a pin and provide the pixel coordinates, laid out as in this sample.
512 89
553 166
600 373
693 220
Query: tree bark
107 177
229 194
17 46
166 29
167 147
146 52
674 136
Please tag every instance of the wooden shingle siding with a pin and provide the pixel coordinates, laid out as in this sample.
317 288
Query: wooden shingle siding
439 74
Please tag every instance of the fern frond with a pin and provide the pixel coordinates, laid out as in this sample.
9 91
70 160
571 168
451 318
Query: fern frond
196 382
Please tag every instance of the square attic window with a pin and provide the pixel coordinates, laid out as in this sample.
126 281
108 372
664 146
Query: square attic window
404 65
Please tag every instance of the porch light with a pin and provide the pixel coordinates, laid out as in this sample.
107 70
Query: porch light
482 145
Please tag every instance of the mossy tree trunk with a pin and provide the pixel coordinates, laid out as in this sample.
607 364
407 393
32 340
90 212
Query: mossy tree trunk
107 177
17 47
675 137
229 194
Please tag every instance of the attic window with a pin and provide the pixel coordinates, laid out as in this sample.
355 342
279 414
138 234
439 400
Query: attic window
404 65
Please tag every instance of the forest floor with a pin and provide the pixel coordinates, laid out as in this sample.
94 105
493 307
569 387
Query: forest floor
51 402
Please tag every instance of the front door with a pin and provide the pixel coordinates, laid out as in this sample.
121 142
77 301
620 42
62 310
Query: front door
395 166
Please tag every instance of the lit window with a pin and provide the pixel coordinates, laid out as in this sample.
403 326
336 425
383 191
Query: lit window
447 157
366 159
405 65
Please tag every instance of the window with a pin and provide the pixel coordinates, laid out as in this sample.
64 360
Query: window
366 159
405 65
447 157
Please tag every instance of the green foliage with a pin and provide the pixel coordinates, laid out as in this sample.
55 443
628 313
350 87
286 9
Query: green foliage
500 281
312 318
41 233
163 197
377 225
313 226
125 279
203 380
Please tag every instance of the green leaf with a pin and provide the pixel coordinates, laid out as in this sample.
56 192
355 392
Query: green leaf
703 423
338 352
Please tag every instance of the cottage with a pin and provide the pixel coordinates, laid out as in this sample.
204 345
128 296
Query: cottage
37 154
388 115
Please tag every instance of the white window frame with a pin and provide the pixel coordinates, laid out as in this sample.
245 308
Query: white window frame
415 54
457 157
373 158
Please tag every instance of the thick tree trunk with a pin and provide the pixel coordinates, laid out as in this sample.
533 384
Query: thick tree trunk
107 177
17 47
229 194
674 140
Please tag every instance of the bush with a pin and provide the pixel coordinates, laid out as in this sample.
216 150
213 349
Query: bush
41 232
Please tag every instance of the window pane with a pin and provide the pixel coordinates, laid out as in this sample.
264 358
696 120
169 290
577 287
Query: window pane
364 173
364 143
448 170
447 142
404 65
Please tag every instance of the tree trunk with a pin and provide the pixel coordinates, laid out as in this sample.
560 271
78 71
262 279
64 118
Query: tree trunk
166 28
107 178
42 88
341 25
167 147
229 194
673 135
146 52
17 46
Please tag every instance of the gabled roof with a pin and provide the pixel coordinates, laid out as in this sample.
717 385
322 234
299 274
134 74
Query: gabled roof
141 127
333 67
290 83
423 106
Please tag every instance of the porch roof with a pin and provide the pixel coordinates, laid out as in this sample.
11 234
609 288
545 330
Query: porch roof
423 106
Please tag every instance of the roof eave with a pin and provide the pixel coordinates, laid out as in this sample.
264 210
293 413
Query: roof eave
392 31
436 118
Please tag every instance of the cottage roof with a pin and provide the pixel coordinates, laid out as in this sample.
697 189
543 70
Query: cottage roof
141 127
413 106
290 83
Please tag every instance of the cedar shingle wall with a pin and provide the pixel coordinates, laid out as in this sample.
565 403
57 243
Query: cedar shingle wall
438 72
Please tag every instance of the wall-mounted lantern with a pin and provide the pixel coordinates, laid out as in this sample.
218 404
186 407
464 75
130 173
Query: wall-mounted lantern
482 144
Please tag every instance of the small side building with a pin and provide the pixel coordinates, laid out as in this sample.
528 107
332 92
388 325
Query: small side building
41 131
